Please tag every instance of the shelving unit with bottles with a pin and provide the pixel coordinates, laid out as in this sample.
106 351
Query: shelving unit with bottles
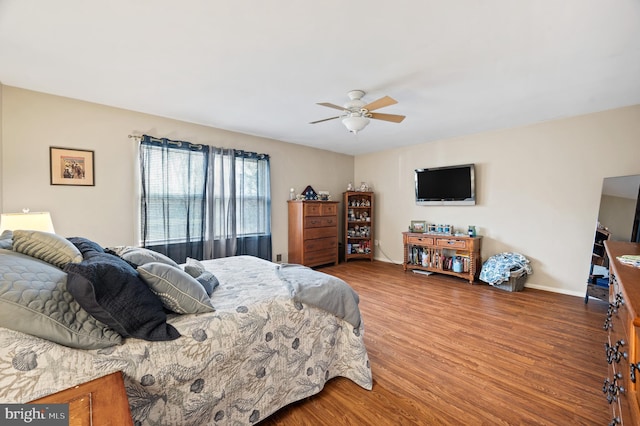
358 229
445 254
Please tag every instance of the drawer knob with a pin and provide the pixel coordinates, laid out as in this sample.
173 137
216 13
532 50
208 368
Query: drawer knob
611 388
633 368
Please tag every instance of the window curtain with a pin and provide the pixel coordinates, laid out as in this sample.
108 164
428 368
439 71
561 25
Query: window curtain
253 212
204 202
239 203
221 205
173 200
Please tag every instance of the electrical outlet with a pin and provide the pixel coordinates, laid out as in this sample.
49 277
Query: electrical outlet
376 242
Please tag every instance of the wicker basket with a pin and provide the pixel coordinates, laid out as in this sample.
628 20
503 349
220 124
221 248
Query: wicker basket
515 283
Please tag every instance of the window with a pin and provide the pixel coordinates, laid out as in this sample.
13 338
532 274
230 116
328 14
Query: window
204 202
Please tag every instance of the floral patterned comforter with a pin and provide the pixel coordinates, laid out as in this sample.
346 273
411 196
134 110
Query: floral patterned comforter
258 352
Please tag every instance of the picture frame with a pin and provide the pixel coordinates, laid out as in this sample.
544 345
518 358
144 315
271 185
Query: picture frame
418 226
70 166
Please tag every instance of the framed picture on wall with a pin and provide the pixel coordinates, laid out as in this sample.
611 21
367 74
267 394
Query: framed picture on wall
70 166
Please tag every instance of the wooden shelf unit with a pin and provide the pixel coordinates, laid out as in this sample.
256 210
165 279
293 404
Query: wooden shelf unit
435 253
358 229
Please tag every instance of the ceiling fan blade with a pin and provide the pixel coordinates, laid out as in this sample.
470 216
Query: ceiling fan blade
327 104
382 102
325 119
387 117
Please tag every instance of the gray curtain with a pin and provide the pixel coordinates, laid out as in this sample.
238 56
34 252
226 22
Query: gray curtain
221 205
239 203
173 201
204 202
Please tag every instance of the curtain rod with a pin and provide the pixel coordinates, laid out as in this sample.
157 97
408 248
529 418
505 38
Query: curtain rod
179 143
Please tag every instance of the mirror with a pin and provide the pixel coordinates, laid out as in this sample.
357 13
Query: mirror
618 219
618 204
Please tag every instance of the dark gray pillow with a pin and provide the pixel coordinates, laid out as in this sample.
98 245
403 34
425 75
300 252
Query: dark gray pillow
112 291
34 300
208 281
85 246
179 291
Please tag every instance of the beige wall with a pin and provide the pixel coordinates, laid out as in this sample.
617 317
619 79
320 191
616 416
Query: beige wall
538 190
538 187
106 213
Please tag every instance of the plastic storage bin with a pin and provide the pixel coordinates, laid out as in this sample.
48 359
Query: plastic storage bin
516 281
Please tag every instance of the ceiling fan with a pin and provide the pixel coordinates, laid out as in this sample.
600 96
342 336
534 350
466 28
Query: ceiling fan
357 114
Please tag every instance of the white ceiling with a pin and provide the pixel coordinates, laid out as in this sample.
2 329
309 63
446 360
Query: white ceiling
258 67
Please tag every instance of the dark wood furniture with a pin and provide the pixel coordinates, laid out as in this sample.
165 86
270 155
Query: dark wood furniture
622 348
313 232
100 402
358 219
437 253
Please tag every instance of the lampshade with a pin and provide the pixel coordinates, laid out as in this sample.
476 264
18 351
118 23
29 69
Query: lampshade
36 221
355 122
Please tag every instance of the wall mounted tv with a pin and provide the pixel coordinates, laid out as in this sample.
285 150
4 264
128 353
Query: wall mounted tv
446 186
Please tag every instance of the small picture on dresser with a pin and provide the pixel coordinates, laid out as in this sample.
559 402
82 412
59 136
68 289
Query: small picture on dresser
418 225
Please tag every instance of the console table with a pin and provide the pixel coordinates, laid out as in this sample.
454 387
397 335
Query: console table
445 254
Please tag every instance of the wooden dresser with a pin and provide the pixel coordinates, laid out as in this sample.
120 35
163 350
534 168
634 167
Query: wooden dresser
100 402
313 232
622 348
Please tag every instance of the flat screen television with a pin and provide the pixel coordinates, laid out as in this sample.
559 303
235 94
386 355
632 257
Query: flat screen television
446 186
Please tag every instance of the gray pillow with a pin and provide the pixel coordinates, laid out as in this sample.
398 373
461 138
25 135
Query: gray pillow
140 255
6 239
194 267
51 248
34 300
177 290
46 246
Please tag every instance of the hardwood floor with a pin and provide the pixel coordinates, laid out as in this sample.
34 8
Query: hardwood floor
444 352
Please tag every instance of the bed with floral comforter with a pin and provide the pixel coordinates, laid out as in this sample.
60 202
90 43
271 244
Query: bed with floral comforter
259 350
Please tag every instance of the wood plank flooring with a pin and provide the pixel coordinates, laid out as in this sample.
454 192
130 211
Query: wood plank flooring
444 352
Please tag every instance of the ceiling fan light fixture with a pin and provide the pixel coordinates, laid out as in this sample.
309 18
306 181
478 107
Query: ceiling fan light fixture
355 122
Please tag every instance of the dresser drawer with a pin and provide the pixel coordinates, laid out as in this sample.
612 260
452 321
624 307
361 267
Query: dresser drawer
451 243
324 232
322 257
320 209
319 221
420 240
318 244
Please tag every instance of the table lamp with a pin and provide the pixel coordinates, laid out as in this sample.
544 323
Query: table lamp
36 221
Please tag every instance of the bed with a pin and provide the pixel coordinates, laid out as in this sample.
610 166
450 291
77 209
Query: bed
271 336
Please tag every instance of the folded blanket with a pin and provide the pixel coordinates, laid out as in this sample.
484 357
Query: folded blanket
322 291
